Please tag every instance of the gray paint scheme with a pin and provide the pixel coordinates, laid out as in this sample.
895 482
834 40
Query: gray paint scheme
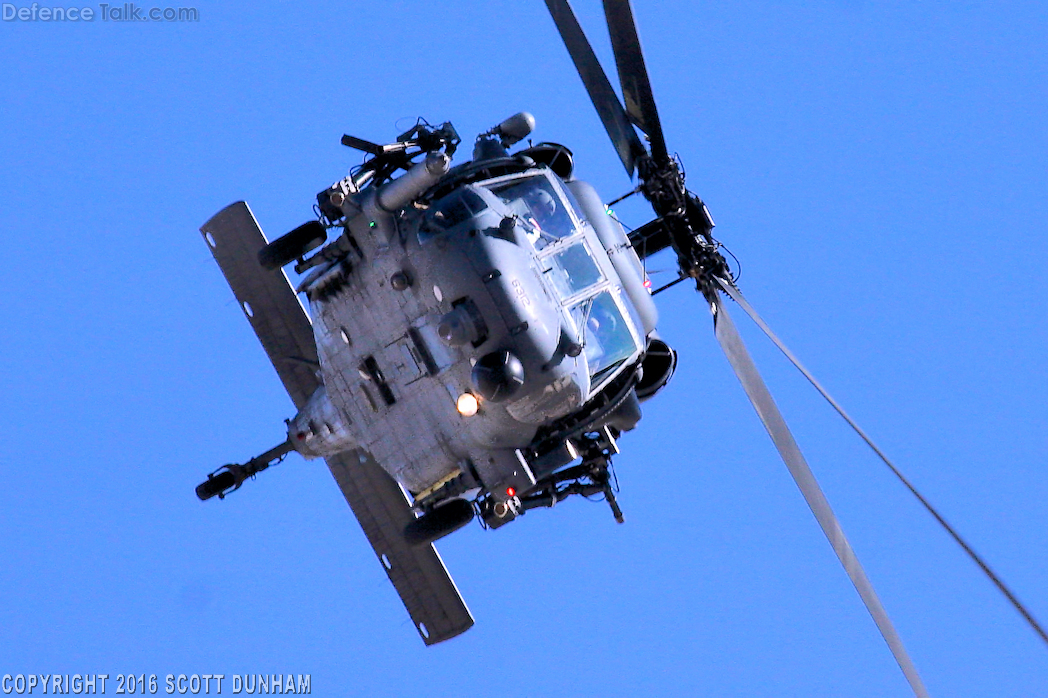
376 387
415 432
285 331
621 253
275 312
417 573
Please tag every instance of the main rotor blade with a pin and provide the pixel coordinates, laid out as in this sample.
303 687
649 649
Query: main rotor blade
737 296
602 94
633 75
757 391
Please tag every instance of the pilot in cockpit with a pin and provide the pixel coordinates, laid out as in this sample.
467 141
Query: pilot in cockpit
600 325
542 207
548 215
535 202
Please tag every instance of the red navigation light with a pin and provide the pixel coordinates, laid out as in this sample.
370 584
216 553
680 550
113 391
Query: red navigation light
510 491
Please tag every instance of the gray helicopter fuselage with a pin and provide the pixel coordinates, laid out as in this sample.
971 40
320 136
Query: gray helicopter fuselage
523 263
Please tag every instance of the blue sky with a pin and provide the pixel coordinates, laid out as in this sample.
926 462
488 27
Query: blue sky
878 167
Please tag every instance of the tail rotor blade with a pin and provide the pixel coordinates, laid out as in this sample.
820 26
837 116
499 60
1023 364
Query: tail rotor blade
606 102
757 391
633 75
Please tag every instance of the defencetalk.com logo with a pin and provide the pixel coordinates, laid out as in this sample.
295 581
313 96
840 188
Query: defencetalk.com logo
126 12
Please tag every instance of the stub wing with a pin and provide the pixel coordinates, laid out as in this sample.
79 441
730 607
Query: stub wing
285 331
267 299
417 573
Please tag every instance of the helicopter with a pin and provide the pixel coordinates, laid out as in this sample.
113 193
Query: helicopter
478 329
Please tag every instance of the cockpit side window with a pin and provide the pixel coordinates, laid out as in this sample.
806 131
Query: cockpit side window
542 209
606 336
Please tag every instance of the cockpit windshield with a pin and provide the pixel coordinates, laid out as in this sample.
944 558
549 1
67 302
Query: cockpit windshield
542 208
606 336
550 217
572 270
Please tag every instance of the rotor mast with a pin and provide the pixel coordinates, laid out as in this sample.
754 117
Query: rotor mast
683 222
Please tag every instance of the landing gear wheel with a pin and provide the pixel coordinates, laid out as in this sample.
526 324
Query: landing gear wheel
434 525
287 248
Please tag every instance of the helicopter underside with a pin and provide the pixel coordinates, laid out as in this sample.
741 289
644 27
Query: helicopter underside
393 377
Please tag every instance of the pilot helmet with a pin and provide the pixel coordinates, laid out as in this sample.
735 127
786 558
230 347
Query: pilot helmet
541 203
